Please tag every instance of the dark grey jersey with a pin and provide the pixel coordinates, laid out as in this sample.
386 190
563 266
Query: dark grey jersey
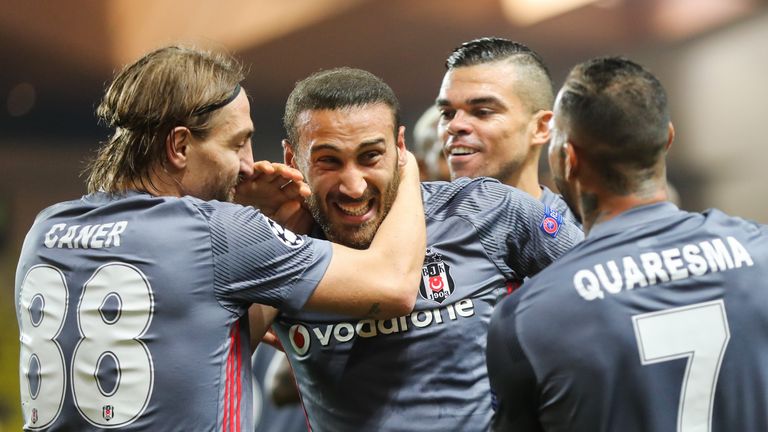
132 311
556 202
426 371
658 321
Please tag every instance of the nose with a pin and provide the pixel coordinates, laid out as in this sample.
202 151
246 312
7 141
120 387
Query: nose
246 161
459 124
352 183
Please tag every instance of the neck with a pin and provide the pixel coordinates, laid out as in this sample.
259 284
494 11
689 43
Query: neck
526 178
157 183
601 207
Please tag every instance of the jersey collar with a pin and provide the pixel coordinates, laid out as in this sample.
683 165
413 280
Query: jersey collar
632 218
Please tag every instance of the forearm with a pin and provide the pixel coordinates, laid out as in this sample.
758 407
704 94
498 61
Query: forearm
381 281
260 317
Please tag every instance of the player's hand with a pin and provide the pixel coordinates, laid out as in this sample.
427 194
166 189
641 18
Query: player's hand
278 191
270 338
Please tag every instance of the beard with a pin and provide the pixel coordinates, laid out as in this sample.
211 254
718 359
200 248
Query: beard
222 188
568 196
359 236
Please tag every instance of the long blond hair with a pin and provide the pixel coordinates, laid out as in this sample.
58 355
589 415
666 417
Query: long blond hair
169 87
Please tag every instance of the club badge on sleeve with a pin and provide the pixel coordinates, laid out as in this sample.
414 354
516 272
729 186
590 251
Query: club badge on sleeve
551 222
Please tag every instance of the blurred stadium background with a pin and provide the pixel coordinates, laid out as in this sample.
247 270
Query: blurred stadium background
712 55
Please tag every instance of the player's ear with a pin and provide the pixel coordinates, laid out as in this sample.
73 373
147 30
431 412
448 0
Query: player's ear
177 145
401 155
571 163
288 155
540 127
670 136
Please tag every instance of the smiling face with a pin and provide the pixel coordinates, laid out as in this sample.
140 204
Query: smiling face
484 125
216 162
350 158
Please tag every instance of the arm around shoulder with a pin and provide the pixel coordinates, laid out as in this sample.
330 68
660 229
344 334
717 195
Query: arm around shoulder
383 280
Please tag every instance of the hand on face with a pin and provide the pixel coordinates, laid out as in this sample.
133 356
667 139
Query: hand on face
279 192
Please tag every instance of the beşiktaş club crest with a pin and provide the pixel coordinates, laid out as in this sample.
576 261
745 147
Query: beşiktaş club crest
108 412
436 280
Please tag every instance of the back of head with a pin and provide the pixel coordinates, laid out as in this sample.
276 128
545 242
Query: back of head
425 132
534 81
335 89
616 112
172 86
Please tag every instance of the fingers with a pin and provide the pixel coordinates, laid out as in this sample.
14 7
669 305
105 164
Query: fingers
262 168
270 338
286 172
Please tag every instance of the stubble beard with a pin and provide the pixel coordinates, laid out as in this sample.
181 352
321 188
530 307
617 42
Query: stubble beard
360 236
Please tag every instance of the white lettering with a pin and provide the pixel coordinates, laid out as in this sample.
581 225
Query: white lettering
465 308
674 264
740 254
383 329
717 255
361 329
403 324
51 237
348 332
101 232
587 285
614 286
86 236
113 238
421 322
66 239
633 274
696 264
323 337
655 267
437 316
652 265
367 328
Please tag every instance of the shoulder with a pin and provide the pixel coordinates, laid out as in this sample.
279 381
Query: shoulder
471 195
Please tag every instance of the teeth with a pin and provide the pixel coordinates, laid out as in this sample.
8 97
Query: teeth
457 151
355 210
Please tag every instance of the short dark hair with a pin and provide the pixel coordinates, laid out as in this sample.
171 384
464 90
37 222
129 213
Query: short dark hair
171 86
620 111
536 82
334 89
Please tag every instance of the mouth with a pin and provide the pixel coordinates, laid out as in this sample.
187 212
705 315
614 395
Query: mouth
459 151
356 212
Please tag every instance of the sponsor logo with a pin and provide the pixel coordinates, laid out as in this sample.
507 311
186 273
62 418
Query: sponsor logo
301 336
108 412
284 235
436 281
551 222
34 415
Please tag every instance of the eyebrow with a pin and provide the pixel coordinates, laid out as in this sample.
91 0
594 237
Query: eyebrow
333 147
484 100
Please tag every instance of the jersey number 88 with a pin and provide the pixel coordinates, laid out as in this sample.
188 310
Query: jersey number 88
114 311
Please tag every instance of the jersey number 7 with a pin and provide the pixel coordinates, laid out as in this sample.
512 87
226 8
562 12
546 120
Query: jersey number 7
700 334
114 310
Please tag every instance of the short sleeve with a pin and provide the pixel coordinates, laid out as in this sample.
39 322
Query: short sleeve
256 260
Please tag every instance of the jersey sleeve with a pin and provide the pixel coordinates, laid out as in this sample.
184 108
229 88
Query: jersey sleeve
513 381
256 260
520 232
